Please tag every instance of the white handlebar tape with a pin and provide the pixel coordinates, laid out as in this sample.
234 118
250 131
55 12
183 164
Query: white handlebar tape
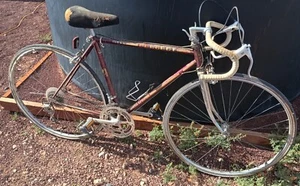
218 48
228 34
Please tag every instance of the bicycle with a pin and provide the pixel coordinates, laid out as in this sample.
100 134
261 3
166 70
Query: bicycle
218 123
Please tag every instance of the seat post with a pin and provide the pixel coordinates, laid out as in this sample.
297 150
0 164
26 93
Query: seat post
92 32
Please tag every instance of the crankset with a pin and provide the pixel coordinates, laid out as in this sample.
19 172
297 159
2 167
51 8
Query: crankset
124 126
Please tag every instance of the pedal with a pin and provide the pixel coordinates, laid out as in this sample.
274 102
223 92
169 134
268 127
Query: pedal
84 127
156 111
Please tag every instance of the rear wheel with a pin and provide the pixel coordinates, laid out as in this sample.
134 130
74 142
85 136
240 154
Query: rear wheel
63 114
259 121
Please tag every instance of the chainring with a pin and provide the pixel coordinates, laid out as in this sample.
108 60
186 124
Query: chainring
124 128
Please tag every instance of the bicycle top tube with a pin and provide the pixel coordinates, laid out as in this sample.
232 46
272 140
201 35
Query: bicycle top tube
146 45
80 17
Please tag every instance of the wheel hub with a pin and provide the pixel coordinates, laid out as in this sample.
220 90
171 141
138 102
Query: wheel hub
58 98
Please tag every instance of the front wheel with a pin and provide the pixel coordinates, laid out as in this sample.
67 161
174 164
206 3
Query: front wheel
35 75
259 121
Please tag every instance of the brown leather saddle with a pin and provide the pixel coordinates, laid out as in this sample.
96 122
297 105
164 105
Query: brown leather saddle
80 17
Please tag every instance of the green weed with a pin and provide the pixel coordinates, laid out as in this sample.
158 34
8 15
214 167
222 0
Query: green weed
193 170
188 137
216 139
182 167
138 133
38 130
128 140
249 181
157 156
157 134
46 38
283 173
168 175
14 116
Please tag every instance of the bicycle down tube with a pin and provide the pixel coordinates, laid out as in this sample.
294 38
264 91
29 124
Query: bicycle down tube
161 47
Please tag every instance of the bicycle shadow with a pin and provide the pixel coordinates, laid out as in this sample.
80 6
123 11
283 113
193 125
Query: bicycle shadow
147 157
138 153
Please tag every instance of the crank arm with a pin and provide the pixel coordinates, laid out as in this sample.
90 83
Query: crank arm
146 114
113 121
90 121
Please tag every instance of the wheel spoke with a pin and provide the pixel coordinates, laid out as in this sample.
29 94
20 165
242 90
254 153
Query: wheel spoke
254 114
82 97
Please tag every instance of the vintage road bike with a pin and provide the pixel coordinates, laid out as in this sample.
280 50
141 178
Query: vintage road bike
224 124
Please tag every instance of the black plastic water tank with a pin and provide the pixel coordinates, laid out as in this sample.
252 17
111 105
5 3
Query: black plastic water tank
271 27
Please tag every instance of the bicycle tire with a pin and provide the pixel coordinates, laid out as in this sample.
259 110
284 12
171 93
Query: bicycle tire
85 92
263 113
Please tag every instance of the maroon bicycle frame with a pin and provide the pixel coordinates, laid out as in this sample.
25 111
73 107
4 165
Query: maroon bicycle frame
96 43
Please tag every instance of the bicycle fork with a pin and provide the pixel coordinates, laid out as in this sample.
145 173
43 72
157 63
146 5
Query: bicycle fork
213 114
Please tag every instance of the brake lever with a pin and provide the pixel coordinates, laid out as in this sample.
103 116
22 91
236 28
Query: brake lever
231 28
250 57
245 50
235 26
